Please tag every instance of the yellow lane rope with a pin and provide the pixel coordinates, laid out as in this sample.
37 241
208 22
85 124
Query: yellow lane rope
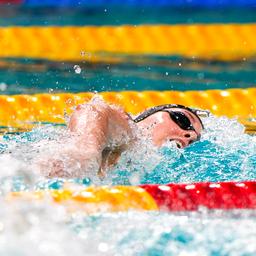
217 41
15 110
94 199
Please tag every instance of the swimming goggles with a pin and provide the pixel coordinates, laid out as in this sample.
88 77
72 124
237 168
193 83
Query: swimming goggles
178 117
181 120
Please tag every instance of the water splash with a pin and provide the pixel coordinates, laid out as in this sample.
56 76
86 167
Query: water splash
36 228
224 153
41 228
137 233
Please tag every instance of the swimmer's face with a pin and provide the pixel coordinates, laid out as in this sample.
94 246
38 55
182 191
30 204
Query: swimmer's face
162 128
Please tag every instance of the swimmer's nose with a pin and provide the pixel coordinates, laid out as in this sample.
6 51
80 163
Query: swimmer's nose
190 137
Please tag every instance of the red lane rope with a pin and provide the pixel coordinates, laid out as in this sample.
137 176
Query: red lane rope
189 197
11 1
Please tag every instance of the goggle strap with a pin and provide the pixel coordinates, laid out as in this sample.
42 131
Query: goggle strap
156 109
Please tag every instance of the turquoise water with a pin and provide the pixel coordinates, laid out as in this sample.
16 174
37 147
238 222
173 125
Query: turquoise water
122 15
47 230
224 153
132 73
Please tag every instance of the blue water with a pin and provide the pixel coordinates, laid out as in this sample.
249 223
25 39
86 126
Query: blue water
224 153
106 15
169 234
42 229
131 73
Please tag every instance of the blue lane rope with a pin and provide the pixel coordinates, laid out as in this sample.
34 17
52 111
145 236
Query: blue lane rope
155 3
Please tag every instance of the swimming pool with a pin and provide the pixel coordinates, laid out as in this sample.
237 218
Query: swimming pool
225 152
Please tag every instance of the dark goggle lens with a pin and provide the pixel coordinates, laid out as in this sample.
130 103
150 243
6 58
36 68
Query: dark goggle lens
181 120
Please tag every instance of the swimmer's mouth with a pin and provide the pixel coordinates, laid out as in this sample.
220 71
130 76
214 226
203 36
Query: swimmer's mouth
178 143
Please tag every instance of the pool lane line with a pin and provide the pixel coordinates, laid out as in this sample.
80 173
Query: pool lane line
139 3
204 41
169 197
94 199
29 110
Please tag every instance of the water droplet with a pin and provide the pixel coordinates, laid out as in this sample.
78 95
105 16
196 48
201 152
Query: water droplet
3 86
77 69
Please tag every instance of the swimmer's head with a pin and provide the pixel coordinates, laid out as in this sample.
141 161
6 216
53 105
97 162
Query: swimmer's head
171 123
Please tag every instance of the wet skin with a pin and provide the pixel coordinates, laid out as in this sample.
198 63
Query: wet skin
161 128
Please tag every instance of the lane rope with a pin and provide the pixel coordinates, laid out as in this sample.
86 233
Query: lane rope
170 197
22 110
209 41
148 3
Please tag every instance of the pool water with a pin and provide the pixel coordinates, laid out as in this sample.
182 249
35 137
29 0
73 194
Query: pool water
48 230
224 153
129 73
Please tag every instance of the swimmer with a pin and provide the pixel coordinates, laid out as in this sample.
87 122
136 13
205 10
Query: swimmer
101 132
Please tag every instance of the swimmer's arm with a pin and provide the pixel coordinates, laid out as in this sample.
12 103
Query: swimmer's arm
83 152
90 129
89 125
101 124
105 124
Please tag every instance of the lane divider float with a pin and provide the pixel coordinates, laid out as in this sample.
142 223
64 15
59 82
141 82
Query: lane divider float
170 197
209 41
22 110
147 3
